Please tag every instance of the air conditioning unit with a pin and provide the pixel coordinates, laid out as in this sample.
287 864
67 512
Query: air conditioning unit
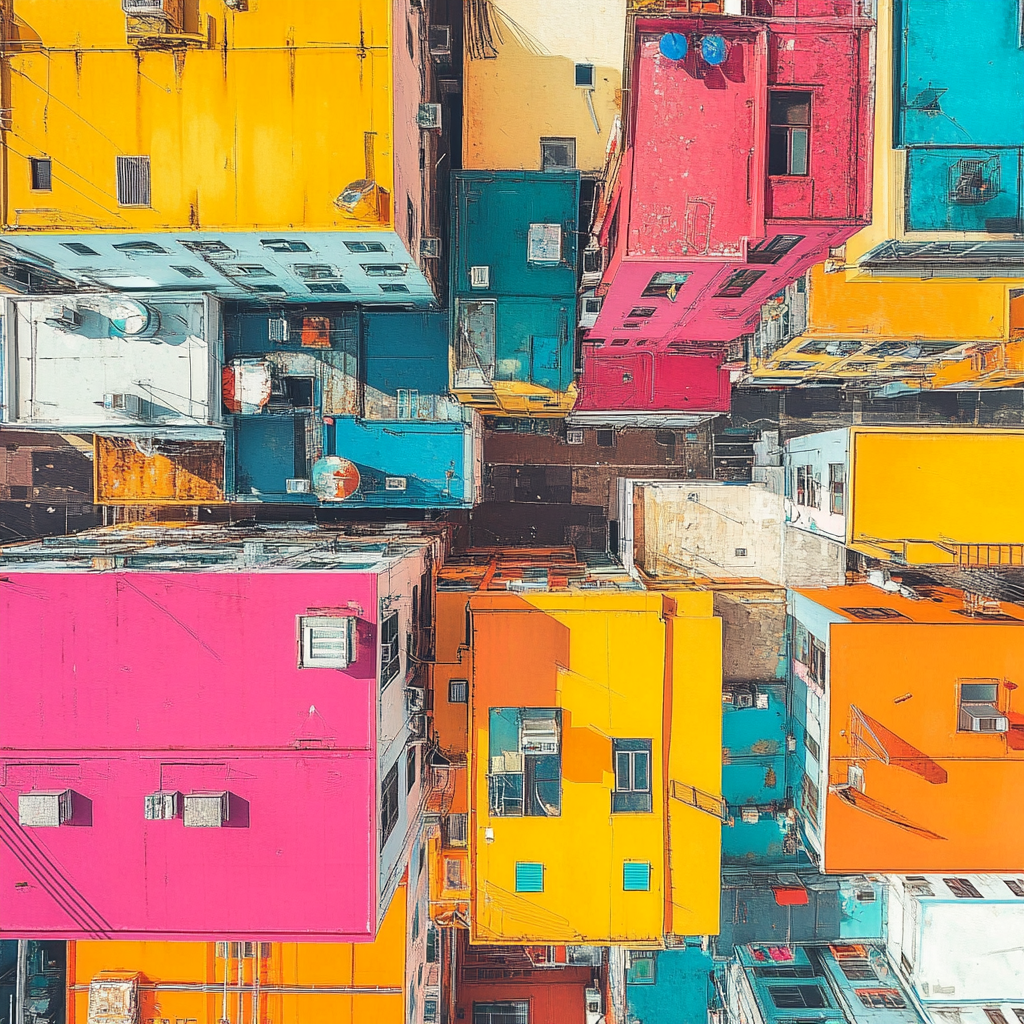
744 700
44 808
430 248
162 805
67 320
129 405
479 277
418 727
574 437
297 485
590 309
540 736
395 483
388 652
593 266
855 777
205 810
237 5
416 699
278 329
428 115
439 38
982 718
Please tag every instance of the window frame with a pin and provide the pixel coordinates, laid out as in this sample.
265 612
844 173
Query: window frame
134 171
393 667
659 287
787 130
814 986
592 83
37 174
453 691
410 770
390 804
307 623
738 283
548 142
881 998
627 797
963 888
518 1012
771 250
837 488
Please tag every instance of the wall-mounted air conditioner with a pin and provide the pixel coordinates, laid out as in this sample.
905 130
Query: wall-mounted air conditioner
540 736
982 718
479 277
164 805
278 329
206 810
127 405
297 485
395 483
428 116
430 248
44 808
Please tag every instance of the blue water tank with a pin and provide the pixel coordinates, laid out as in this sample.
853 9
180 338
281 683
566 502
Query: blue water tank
673 45
713 50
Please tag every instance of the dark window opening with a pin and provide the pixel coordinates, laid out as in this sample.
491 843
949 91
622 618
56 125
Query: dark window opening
42 177
772 250
388 804
631 760
557 154
789 133
738 283
798 996
665 285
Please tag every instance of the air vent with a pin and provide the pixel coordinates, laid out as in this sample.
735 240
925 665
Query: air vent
278 329
480 277
574 437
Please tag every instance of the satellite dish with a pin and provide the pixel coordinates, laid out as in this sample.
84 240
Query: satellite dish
673 45
713 50
335 478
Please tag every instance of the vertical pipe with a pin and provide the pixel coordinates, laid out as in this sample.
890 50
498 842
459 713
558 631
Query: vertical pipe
227 968
19 983
241 979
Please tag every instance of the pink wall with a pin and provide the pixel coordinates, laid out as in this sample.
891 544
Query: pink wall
405 136
694 193
624 380
119 683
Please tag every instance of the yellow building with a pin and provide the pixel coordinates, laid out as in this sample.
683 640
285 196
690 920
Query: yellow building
912 496
940 333
542 83
392 980
587 714
283 149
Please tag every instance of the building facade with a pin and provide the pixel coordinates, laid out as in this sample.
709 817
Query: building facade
137 816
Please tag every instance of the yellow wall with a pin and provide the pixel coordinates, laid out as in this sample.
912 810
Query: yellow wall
356 965
513 398
602 660
264 130
936 485
527 91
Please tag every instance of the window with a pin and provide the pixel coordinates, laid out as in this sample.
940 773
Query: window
812 746
458 691
631 761
636 876
326 642
738 282
388 804
996 1016
453 874
808 487
284 245
79 249
979 710
133 181
881 998
328 288
188 271
1015 885
809 798
962 888
394 289
249 270
410 769
789 133
642 312
384 269
515 1012
525 775
836 488
410 216
874 614
665 285
529 876
42 178
557 154
605 437
366 246
544 243
773 249
315 271
787 997
141 248
585 76
390 657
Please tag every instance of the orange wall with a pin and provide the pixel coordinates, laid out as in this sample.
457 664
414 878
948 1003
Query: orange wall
874 665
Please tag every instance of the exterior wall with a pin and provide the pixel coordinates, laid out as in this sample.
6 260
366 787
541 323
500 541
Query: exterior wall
176 473
680 989
956 950
157 879
555 996
818 451
359 983
935 805
579 645
926 493
525 89
702 536
527 349
242 134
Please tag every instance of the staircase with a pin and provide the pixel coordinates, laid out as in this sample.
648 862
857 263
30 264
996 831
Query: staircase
699 799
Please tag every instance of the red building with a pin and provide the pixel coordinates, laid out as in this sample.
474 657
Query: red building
745 156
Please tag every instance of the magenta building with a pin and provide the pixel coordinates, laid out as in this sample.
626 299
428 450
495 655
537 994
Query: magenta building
745 156
207 735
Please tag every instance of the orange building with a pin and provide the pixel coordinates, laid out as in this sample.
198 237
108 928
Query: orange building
912 717
392 980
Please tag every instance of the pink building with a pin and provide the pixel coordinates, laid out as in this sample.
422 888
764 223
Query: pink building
205 735
746 155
